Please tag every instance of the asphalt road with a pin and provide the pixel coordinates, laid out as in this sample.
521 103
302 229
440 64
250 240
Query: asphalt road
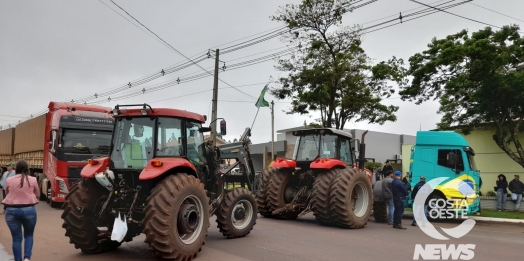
272 240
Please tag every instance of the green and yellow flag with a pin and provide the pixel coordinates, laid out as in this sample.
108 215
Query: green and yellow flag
261 102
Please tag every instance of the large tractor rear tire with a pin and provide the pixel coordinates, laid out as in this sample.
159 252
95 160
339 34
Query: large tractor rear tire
380 211
320 196
82 230
237 214
277 186
351 198
262 195
177 218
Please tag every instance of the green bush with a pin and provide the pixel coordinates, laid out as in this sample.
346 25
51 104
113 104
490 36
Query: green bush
491 194
371 165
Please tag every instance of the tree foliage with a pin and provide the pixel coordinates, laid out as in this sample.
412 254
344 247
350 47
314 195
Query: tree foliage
479 80
329 72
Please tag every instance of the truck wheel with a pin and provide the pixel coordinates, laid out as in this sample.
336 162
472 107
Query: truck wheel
280 194
177 218
320 196
262 201
380 211
237 215
82 230
351 198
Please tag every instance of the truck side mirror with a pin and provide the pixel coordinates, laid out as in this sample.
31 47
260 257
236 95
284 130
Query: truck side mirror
223 127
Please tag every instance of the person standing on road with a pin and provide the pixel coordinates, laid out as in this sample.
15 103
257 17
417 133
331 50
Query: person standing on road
9 173
400 193
388 197
516 187
502 192
21 197
387 169
417 187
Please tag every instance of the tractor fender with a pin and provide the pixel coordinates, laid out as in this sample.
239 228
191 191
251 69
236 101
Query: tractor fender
90 170
327 164
151 171
283 163
377 192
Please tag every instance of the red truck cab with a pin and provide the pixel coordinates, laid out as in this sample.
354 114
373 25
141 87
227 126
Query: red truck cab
74 133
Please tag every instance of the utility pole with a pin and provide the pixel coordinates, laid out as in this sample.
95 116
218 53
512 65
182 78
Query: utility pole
215 101
272 131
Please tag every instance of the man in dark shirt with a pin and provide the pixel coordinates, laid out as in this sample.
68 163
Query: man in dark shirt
387 169
417 187
400 193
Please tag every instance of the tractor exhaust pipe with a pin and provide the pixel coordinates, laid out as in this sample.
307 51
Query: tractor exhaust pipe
362 152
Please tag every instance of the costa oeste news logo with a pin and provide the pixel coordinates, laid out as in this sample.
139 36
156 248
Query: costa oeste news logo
441 208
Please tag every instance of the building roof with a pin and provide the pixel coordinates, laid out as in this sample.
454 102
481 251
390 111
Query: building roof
208 137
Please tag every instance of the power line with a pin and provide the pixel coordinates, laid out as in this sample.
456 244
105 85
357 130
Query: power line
497 12
402 11
176 49
463 17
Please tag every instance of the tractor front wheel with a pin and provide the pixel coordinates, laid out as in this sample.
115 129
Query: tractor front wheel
351 198
237 214
380 211
262 194
82 230
177 218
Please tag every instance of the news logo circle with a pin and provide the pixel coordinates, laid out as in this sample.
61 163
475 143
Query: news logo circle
441 208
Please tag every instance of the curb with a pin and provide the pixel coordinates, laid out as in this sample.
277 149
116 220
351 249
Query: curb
477 218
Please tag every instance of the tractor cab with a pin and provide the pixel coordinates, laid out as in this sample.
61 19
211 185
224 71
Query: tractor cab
322 145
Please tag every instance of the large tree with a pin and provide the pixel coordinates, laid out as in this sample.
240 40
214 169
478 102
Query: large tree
479 80
329 72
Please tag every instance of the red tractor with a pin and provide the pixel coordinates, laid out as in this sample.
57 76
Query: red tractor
320 178
164 179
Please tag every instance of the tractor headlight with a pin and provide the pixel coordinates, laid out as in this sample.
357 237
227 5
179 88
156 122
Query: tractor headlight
62 185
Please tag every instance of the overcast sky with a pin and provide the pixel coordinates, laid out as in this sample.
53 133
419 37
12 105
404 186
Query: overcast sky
63 50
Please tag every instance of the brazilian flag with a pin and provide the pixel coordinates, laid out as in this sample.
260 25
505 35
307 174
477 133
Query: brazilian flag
261 102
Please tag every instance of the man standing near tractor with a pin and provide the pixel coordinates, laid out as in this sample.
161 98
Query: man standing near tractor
400 193
388 196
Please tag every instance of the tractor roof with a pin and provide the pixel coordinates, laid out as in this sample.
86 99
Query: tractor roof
317 131
162 112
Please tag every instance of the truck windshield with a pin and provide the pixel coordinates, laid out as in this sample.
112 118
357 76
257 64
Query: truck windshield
471 160
133 142
85 141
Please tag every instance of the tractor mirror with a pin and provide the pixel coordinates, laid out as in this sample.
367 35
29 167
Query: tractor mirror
223 127
204 129
138 130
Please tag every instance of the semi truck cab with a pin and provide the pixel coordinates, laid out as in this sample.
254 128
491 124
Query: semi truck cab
438 154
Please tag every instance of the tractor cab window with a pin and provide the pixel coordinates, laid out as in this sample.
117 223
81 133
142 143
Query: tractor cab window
328 146
345 151
195 142
307 148
170 137
133 142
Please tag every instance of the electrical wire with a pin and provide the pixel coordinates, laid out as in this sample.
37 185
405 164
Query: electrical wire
463 17
497 12
177 50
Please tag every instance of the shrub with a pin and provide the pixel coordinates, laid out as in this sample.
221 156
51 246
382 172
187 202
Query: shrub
491 194
371 165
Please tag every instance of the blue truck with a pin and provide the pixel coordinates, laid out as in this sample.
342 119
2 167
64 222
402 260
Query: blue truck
445 155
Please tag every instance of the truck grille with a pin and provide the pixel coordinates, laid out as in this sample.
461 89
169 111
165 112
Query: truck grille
74 172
